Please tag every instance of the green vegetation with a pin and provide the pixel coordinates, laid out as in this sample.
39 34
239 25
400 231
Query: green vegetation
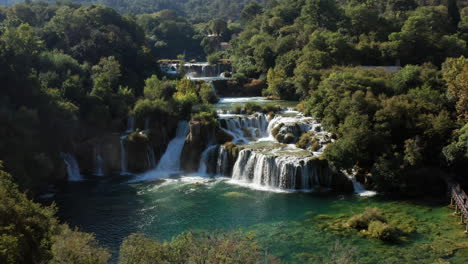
251 108
308 141
30 233
201 247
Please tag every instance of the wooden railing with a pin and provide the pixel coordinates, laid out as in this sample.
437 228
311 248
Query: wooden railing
459 200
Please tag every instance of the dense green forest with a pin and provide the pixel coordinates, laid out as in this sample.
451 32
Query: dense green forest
392 127
68 71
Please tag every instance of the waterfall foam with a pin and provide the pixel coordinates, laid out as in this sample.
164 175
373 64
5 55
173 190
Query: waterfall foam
170 161
286 172
208 153
222 162
244 128
359 189
73 169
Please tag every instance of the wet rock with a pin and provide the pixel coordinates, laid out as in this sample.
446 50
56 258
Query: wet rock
200 135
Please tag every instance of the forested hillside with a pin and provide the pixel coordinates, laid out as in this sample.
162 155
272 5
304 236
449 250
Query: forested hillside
392 127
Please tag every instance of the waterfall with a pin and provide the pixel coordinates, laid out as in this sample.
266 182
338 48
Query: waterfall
284 172
123 156
150 157
222 162
293 124
99 162
170 161
206 157
130 124
73 170
243 128
359 189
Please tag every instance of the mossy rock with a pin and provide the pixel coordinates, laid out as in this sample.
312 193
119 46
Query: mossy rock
383 231
289 138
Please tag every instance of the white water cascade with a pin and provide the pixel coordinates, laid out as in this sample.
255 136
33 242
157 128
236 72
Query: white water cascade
99 162
123 156
73 170
359 189
222 162
170 161
244 128
283 172
205 159
150 157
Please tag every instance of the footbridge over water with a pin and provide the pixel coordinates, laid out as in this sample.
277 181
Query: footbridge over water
459 200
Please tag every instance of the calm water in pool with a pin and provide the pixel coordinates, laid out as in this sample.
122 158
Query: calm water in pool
289 225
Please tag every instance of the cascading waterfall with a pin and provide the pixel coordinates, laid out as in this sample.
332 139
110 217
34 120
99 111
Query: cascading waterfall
283 172
123 156
359 189
130 124
99 162
243 128
150 157
222 162
73 170
295 124
206 158
170 161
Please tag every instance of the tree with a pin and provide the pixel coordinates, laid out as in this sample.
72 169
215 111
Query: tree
321 14
105 76
250 12
74 247
454 13
217 26
455 73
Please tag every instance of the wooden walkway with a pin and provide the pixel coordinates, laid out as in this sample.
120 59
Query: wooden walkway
459 200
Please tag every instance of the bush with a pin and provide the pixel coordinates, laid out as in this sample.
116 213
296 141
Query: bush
146 108
73 247
362 221
251 108
382 231
207 94
30 232
206 118
202 247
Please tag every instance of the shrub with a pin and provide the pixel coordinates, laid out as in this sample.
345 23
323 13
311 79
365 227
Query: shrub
145 108
382 231
305 140
76 247
200 247
251 108
206 118
276 129
207 94
362 221
30 232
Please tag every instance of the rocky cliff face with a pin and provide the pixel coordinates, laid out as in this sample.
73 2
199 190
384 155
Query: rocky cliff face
200 137
100 153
